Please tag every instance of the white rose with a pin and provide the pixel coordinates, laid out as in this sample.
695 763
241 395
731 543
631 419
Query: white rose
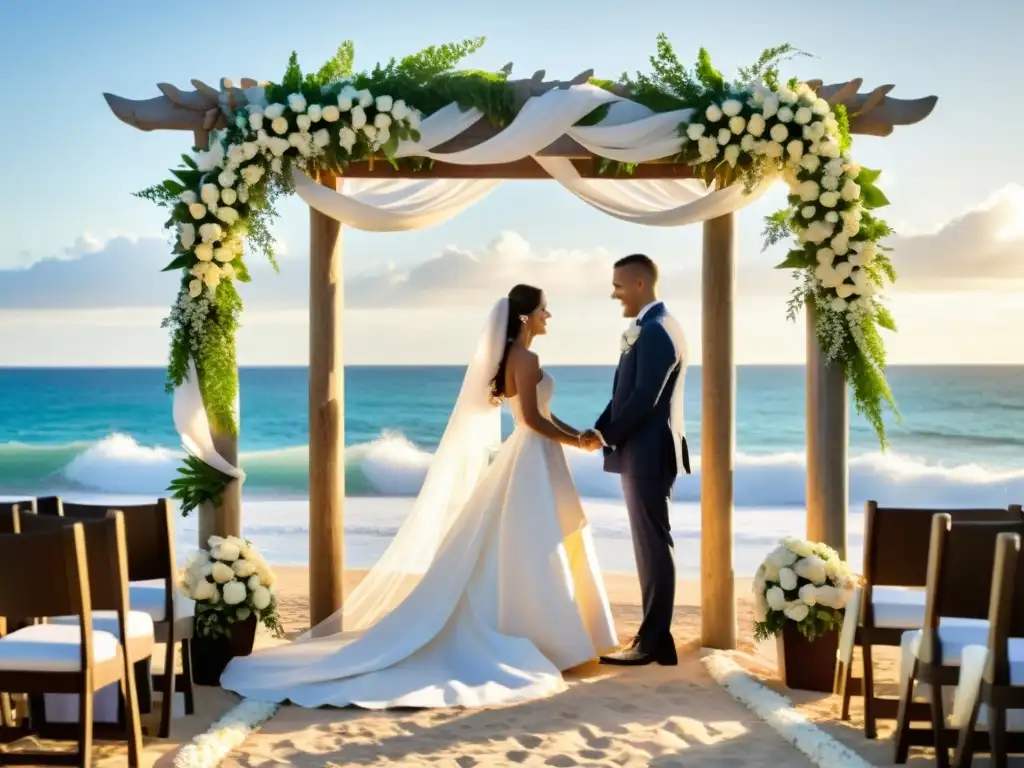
243 194
713 113
227 214
331 114
399 110
188 197
760 92
821 107
250 150
775 598
279 125
414 119
747 143
817 231
253 582
381 120
251 174
694 131
384 104
303 122
229 196
796 610
267 577
345 103
771 105
808 594
278 147
809 191
370 131
208 233
787 96
808 211
795 148
228 273
732 155
829 199
851 190
209 194
838 305
297 102
779 133
834 167
816 131
322 138
347 138
737 124
803 116
785 114
274 111
825 256
782 556
204 590
234 593
222 573
358 117
256 120
204 252
724 136
830 182
243 568
186 235
365 98
827 276
773 149
844 291
813 568
731 107
798 547
383 136
708 148
227 179
756 125
841 244
829 149
810 162
315 112
832 217
198 210
787 579
261 597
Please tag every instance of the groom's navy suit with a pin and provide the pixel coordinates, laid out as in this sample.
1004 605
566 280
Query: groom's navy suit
639 446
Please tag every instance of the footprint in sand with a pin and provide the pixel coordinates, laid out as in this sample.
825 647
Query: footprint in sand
517 755
528 741
560 761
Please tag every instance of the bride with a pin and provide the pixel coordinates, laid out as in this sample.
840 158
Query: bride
491 587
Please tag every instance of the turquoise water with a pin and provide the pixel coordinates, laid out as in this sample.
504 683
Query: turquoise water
110 431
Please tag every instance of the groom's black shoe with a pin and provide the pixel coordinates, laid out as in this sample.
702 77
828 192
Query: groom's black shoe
636 657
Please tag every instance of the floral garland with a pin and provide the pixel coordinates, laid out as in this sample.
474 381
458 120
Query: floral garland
209 749
224 195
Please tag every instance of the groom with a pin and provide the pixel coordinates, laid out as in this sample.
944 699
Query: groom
643 445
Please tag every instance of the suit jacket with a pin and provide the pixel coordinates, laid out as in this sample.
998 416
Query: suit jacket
636 423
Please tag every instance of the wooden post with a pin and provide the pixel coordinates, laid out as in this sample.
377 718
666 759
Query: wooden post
717 434
226 518
326 413
828 436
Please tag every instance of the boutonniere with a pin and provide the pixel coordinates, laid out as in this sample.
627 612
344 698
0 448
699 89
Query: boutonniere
629 337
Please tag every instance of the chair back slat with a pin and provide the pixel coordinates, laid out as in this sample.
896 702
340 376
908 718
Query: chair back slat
50 571
105 554
961 567
10 512
896 540
148 530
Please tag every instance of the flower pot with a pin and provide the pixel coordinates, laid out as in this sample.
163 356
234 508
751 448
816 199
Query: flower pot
804 664
210 655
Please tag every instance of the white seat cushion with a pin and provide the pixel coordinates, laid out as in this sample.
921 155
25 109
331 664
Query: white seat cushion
148 596
898 607
139 623
52 648
972 669
954 636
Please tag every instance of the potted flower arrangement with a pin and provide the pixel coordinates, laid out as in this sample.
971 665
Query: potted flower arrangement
800 592
233 589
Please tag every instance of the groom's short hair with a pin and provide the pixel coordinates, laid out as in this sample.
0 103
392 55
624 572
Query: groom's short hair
639 260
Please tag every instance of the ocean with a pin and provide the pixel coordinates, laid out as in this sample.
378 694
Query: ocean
108 434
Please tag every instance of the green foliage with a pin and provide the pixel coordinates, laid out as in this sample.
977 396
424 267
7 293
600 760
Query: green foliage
766 68
339 66
197 484
820 620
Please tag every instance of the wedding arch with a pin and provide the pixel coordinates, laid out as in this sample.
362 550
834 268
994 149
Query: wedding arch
415 141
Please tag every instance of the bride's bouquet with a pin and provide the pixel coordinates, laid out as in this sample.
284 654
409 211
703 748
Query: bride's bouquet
230 582
801 581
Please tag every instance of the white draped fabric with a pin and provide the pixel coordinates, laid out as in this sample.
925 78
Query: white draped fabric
193 426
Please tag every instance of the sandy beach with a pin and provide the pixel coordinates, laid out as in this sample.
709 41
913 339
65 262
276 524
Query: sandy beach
650 716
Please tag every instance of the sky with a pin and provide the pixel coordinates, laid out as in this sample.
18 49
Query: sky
80 256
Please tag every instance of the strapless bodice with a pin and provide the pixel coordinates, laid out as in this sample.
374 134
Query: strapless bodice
545 390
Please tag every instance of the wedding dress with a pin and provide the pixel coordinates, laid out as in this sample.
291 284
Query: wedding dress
489 591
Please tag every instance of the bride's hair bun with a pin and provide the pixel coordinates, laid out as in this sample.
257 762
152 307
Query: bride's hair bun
522 300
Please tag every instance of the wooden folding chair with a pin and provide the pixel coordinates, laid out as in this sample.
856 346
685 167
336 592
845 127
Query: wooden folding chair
9 511
106 553
153 573
992 675
961 557
52 572
891 600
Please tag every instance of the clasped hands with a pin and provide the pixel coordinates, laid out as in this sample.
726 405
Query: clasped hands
590 440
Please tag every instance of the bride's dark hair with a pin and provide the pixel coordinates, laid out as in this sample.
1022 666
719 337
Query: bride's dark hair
522 300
